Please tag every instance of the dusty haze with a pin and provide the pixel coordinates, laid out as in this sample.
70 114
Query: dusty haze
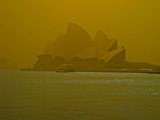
26 25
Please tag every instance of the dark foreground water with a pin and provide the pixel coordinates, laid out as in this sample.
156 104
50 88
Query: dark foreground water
79 96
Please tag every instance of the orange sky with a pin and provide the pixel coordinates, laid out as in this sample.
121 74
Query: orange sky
26 25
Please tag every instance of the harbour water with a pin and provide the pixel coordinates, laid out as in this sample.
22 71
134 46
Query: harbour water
79 96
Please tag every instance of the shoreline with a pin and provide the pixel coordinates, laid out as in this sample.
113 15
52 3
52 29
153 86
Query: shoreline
111 70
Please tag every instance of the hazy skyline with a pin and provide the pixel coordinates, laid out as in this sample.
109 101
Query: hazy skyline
27 25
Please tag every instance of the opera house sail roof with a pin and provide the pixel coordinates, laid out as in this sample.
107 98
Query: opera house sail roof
76 42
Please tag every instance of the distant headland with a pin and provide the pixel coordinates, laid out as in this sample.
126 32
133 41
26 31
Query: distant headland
5 66
76 47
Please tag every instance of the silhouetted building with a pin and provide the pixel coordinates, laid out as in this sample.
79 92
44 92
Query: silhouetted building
76 43
76 47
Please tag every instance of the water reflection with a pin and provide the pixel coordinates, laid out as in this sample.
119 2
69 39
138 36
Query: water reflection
79 96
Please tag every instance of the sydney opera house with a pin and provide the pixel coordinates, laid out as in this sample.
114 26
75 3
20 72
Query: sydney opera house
75 47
